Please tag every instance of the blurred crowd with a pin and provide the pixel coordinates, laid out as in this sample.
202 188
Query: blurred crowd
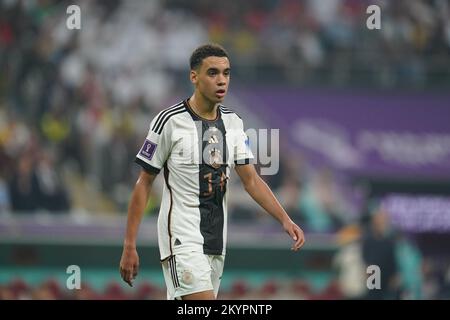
327 42
240 289
79 101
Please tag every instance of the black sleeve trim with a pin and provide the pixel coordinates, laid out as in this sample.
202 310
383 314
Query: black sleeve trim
147 167
242 161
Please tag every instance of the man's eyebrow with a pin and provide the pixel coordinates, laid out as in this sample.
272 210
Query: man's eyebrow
217 70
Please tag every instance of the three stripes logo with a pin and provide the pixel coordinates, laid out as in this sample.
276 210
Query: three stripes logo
173 271
164 116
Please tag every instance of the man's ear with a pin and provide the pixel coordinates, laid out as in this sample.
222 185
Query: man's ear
194 76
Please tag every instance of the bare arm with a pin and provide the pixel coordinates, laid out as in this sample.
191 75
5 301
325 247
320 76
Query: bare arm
129 263
262 194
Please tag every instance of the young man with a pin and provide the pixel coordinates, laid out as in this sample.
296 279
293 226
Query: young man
197 141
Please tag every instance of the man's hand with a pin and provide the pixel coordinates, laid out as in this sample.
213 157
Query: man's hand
129 265
262 194
296 234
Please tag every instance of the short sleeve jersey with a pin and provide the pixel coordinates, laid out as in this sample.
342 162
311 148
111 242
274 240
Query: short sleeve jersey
196 155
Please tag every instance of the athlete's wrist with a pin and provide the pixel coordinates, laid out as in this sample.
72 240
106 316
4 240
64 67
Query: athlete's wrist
129 245
286 220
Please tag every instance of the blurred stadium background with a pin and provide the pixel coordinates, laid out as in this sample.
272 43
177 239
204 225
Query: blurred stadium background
364 119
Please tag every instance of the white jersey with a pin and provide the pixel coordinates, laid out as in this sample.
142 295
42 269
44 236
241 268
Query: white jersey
196 155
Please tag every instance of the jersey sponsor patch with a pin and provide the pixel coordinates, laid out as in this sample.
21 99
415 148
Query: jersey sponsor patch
148 149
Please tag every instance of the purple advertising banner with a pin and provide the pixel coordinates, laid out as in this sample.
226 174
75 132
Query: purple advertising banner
418 213
383 134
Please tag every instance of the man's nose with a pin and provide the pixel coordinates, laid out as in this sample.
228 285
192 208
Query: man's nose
221 80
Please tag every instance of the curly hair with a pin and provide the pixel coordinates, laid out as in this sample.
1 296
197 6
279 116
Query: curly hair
205 51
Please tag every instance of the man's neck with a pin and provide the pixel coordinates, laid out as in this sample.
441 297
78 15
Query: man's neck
202 107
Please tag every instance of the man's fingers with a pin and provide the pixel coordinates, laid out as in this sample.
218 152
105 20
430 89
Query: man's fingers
299 241
291 232
122 273
129 278
127 275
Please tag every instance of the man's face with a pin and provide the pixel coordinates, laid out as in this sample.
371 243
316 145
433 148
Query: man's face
212 78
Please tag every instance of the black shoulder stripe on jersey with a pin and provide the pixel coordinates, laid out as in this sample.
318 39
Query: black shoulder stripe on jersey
226 110
163 113
166 118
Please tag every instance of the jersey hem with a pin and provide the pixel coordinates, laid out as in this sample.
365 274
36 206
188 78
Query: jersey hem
243 161
191 249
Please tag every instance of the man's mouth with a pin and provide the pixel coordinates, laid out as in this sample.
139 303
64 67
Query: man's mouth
220 93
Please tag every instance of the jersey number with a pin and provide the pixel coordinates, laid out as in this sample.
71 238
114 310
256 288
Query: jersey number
208 178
